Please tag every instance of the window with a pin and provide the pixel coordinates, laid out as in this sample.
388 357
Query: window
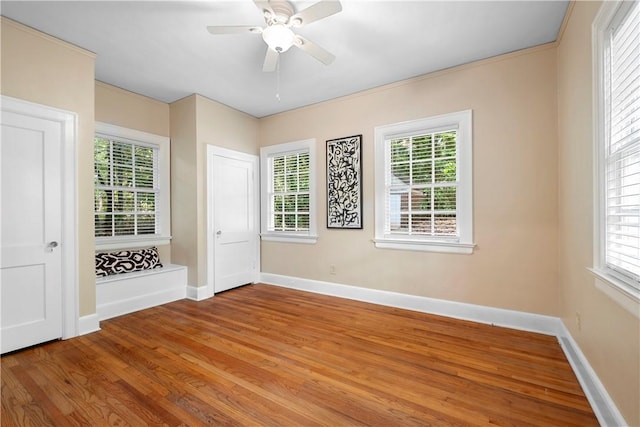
423 184
289 195
131 188
288 192
617 145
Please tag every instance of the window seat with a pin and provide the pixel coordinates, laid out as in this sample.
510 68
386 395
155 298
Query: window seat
123 293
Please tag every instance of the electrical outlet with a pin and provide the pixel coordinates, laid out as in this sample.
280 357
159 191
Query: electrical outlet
332 269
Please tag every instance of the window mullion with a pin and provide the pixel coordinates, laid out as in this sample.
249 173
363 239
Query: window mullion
433 182
112 209
135 213
113 219
297 214
410 189
134 184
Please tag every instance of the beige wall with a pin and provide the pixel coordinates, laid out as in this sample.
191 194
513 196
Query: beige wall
195 123
609 335
44 70
513 99
184 194
120 107
127 109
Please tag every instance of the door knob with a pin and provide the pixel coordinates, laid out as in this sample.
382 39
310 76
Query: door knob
219 232
52 245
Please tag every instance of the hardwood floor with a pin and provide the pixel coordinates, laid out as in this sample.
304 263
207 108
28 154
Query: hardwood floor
263 355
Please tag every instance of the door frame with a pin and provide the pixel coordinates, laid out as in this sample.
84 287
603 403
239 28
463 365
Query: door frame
69 244
213 151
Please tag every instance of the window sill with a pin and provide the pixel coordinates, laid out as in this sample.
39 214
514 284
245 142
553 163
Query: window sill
425 246
623 294
289 238
130 243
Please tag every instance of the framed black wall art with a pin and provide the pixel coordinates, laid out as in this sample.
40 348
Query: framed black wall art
344 182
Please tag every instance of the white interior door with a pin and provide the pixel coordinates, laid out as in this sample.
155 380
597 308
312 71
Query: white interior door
31 230
234 223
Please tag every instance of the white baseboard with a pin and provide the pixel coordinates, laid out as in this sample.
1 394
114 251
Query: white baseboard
547 325
198 293
88 324
602 404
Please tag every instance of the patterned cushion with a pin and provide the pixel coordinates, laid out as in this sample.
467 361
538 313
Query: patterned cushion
108 263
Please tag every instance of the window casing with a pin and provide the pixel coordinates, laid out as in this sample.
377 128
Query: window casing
131 188
423 184
616 37
288 192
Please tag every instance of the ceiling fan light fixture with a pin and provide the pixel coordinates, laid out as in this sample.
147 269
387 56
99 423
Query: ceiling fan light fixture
278 37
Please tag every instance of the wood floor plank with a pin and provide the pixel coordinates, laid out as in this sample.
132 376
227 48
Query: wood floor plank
17 403
268 356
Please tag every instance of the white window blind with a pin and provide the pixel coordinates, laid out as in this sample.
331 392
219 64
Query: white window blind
289 192
622 145
126 188
421 185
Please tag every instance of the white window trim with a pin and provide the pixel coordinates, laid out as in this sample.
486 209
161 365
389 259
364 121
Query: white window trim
308 237
462 245
613 285
106 130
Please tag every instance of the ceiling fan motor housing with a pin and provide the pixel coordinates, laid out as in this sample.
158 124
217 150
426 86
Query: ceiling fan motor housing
282 10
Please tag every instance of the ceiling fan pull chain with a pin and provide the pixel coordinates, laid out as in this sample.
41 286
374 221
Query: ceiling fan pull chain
278 79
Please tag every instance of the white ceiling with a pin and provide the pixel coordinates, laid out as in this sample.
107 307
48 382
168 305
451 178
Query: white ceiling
162 49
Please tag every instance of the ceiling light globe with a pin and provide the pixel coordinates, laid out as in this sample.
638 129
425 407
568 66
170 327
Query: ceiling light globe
278 37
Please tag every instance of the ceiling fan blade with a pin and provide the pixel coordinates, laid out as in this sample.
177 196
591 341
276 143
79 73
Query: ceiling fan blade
238 29
314 50
270 60
315 12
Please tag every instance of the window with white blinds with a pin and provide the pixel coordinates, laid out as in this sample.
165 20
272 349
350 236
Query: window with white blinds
618 144
288 192
423 184
126 188
131 188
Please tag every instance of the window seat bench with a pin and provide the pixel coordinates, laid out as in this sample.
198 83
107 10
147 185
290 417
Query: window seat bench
123 293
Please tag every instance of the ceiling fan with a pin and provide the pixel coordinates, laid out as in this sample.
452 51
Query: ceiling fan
281 17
